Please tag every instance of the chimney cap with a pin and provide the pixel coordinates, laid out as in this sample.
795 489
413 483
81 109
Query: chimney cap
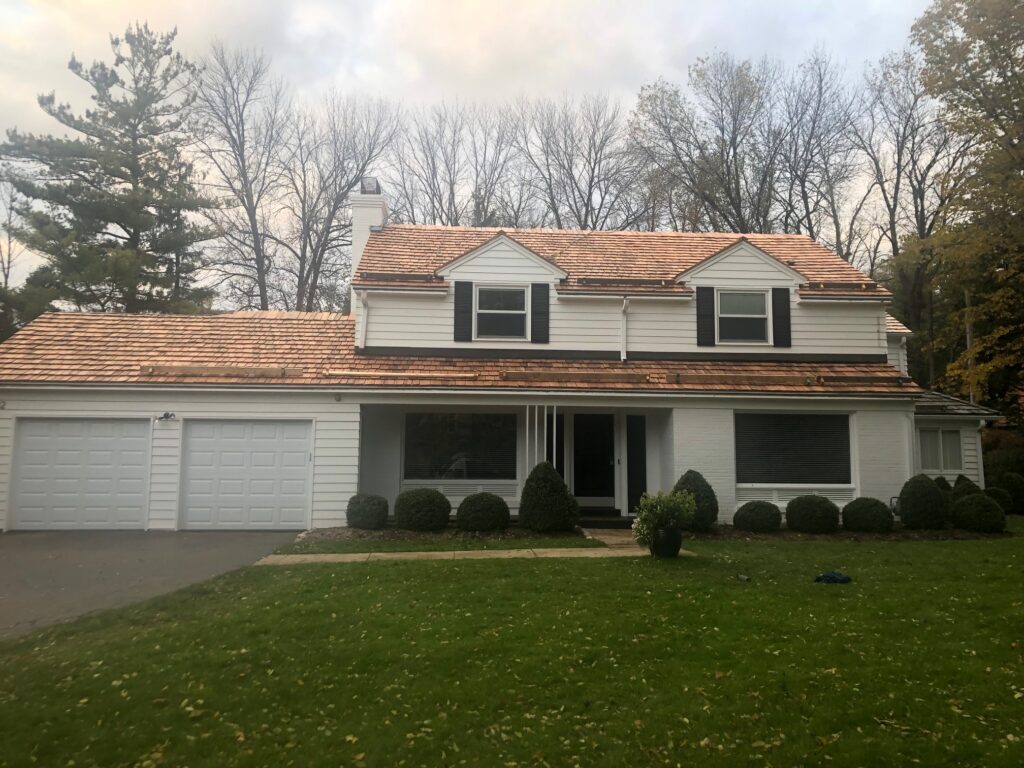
369 185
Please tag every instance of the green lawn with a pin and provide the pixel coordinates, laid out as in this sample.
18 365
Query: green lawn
605 662
433 542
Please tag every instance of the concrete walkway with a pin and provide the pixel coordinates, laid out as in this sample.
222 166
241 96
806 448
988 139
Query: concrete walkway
619 543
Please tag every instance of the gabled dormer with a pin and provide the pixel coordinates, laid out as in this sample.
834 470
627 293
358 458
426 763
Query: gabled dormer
743 297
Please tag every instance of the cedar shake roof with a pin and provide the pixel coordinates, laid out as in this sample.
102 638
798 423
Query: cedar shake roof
601 261
938 404
892 325
318 349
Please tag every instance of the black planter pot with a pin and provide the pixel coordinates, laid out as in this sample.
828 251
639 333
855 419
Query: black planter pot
667 542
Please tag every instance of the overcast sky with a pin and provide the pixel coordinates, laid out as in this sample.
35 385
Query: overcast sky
420 50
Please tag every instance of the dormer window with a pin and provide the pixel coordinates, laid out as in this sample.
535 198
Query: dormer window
743 317
500 312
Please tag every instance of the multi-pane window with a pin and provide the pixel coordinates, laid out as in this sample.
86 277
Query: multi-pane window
792 448
743 316
500 313
940 450
461 446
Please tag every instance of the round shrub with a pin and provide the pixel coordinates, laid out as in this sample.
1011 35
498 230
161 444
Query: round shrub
978 512
422 509
964 487
758 517
943 484
546 504
812 514
922 504
867 516
1013 484
694 483
1001 497
482 512
367 511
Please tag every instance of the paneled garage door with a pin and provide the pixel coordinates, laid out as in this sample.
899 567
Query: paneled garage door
246 474
80 473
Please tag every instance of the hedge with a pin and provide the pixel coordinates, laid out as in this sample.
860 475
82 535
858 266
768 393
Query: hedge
922 504
812 514
367 511
758 517
867 515
980 513
546 504
482 512
702 492
422 509
1013 484
1002 497
964 487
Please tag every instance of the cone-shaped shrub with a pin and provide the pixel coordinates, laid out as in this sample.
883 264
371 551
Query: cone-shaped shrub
943 484
922 504
978 512
702 492
758 517
482 512
867 516
546 504
367 511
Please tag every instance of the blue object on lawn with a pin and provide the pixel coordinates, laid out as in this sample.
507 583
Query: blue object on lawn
832 577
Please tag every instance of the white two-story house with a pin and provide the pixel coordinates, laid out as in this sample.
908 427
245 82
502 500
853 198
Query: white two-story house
765 362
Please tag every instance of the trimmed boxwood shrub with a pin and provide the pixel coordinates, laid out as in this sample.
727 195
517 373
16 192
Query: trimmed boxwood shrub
978 512
964 487
758 517
546 504
702 492
367 511
812 514
482 512
1013 484
922 504
422 509
943 484
867 515
1002 497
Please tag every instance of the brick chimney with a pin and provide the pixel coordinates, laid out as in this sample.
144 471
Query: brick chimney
369 209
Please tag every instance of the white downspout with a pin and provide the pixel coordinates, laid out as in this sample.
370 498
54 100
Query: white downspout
625 328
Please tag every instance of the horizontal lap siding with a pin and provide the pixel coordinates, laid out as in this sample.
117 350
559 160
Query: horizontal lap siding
741 270
503 264
6 462
335 437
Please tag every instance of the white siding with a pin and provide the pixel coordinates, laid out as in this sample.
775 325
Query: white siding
896 351
503 262
743 267
884 459
335 437
704 440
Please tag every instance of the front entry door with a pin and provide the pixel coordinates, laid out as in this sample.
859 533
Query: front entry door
593 463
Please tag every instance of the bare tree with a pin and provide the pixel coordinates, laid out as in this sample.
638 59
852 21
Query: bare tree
240 118
581 167
11 250
723 148
327 151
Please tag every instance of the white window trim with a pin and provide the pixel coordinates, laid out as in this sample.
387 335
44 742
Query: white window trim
942 458
767 316
525 289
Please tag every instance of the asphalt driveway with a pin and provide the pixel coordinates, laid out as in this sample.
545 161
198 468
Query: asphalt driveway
52 576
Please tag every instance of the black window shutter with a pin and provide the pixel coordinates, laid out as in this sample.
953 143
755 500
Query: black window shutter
540 313
463 311
705 316
781 334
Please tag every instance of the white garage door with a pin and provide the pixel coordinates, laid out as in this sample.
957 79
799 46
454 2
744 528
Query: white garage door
80 473
246 474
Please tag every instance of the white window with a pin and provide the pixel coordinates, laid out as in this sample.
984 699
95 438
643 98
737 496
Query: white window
743 317
940 450
500 312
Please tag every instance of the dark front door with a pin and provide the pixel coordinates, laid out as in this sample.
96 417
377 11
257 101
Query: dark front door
593 443
636 459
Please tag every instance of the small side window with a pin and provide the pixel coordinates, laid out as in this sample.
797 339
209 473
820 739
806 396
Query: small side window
743 317
501 313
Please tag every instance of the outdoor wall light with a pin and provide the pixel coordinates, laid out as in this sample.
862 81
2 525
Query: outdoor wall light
167 416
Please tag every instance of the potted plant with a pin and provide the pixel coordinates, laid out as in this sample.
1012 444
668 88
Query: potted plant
661 519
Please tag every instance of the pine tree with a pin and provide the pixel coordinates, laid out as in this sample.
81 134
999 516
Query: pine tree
110 204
